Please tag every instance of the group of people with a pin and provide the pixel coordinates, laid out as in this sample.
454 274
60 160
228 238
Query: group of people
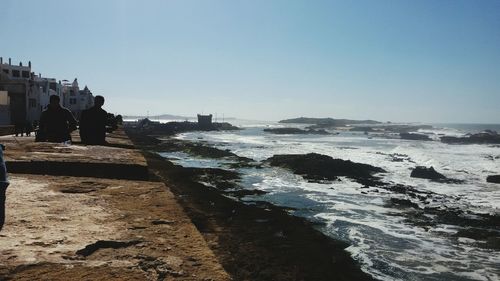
26 127
57 123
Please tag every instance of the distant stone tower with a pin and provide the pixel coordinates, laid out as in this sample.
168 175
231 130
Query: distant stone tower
205 121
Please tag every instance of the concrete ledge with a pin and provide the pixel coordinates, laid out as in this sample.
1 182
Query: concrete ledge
64 228
70 215
80 169
117 160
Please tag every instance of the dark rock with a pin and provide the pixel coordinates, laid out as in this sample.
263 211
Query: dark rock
147 126
219 178
102 244
493 179
485 137
397 157
202 150
477 233
456 216
420 218
244 164
426 173
246 192
319 167
431 174
296 131
493 242
403 203
362 129
158 222
413 136
400 129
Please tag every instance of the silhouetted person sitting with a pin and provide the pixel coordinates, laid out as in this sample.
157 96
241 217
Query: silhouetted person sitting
56 122
93 123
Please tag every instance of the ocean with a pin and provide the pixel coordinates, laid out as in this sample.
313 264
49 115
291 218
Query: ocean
384 239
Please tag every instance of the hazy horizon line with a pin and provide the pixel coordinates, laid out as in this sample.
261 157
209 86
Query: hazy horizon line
264 120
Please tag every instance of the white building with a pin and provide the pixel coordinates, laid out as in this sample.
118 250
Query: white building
16 72
4 108
77 100
38 98
24 95
86 98
70 94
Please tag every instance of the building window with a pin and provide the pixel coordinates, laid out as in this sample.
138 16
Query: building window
32 103
72 101
15 73
71 92
26 74
6 71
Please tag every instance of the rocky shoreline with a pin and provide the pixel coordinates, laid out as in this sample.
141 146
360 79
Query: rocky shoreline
418 207
256 241
485 137
147 126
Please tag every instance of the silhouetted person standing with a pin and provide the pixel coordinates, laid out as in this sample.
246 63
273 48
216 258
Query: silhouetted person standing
56 122
4 183
28 128
19 128
93 123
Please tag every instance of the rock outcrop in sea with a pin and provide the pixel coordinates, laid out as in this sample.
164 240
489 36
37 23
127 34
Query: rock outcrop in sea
493 179
431 174
413 136
485 137
296 131
318 167
171 128
426 173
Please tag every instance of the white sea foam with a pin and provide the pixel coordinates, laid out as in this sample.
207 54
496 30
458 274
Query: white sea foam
385 244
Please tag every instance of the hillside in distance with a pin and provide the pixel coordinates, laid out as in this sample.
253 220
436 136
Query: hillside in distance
155 117
328 122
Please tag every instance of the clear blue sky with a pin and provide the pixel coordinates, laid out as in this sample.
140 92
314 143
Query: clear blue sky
428 61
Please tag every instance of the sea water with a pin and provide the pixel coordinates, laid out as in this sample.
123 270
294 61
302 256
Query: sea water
385 245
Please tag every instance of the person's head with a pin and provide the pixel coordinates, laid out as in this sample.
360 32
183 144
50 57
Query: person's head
99 101
54 101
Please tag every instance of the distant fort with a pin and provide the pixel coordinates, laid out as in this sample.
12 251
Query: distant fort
205 121
171 128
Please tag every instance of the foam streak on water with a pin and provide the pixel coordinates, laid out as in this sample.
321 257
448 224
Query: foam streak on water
385 244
